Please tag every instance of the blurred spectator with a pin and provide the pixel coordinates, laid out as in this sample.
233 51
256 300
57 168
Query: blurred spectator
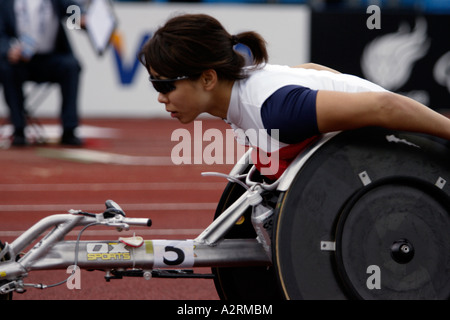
34 47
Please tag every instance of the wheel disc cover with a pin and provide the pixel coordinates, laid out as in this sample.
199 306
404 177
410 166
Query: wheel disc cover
393 242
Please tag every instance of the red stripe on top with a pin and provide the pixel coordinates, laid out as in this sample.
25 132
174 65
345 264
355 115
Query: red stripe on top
272 165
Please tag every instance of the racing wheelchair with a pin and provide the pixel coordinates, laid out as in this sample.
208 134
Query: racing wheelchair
361 214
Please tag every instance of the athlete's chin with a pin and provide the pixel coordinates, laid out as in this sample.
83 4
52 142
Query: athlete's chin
185 120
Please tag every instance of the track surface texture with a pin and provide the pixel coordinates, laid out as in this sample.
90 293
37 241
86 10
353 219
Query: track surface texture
128 161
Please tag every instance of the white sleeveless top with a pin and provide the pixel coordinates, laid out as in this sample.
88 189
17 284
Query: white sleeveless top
248 96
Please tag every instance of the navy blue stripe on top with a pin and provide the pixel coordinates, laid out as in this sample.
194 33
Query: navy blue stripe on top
291 110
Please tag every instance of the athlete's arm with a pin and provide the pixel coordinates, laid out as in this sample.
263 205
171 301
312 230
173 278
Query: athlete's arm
345 111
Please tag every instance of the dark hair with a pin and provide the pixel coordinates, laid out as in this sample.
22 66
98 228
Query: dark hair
192 43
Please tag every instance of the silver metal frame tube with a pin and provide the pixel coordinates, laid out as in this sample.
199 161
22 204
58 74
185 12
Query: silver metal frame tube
226 253
219 227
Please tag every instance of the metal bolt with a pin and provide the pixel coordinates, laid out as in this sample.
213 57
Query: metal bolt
147 275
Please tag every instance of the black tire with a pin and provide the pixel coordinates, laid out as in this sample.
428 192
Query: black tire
243 283
368 193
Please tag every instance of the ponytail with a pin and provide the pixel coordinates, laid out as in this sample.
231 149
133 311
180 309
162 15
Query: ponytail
256 44
189 44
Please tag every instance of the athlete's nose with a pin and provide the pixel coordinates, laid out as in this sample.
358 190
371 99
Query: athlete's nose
162 98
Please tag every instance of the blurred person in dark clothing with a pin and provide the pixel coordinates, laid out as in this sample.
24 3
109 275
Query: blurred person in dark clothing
35 47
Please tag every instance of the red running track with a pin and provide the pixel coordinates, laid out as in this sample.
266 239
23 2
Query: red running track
128 161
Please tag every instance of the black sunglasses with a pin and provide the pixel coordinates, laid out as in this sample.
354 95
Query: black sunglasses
165 86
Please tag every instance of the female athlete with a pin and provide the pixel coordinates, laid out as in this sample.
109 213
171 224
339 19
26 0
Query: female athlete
194 66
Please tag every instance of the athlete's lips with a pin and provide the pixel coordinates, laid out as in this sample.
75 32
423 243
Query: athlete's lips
173 114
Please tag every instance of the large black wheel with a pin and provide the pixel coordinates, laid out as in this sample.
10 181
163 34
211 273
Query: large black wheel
243 283
367 217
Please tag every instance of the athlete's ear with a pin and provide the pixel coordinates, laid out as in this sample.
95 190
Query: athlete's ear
209 79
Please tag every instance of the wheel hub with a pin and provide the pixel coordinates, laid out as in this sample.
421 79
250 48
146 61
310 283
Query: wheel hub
402 251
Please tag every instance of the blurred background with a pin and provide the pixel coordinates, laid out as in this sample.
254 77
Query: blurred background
400 44
403 46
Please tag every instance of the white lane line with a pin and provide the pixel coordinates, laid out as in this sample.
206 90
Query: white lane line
114 186
54 131
112 233
100 207
94 156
